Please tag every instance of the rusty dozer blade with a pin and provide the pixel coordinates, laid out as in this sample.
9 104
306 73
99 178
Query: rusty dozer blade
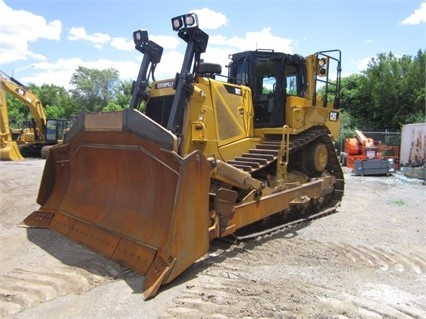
117 186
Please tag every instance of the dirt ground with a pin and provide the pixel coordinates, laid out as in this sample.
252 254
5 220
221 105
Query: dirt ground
366 261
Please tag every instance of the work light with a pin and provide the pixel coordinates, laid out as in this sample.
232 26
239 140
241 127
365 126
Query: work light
140 36
185 21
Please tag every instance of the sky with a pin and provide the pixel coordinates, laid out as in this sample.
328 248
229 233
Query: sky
45 41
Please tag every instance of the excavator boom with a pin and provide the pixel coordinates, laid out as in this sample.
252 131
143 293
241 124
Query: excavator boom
8 147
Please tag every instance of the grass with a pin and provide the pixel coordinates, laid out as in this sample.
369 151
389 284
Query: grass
399 202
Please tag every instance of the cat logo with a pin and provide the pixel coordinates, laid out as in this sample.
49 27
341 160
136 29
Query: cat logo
333 116
164 85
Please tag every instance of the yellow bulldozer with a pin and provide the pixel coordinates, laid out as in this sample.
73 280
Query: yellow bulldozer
210 156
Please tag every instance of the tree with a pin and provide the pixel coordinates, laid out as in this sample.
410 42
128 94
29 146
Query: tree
56 101
415 82
389 93
94 89
355 100
112 95
122 99
124 94
18 111
396 85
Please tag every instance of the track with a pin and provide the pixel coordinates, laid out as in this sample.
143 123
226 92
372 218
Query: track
265 155
257 161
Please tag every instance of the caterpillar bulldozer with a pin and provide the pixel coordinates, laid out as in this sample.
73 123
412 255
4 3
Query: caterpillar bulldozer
206 159
38 135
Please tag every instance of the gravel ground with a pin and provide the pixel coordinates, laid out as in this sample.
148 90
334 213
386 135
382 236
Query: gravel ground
366 261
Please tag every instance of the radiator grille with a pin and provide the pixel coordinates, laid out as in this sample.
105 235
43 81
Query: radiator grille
158 109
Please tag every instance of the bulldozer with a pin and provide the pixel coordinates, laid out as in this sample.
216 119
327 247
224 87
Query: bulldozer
209 157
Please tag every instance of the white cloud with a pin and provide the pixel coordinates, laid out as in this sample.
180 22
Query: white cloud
220 47
218 55
26 27
122 43
263 39
97 39
166 41
217 40
418 16
171 62
209 19
59 73
362 64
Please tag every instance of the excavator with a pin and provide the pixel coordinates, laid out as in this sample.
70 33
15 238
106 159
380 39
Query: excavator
211 156
36 138
8 147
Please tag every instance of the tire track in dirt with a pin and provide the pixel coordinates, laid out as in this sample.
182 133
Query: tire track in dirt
385 260
282 277
22 288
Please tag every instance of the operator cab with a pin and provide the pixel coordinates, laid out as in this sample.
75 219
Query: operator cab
56 130
272 76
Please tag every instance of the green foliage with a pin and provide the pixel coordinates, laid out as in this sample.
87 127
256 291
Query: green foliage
354 100
112 107
389 93
56 101
418 117
54 112
327 92
94 89
399 202
124 94
18 112
347 121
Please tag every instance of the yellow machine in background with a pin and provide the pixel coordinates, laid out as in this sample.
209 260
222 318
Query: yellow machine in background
8 147
35 139
210 157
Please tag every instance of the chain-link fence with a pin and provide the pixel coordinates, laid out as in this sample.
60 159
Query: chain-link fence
386 137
